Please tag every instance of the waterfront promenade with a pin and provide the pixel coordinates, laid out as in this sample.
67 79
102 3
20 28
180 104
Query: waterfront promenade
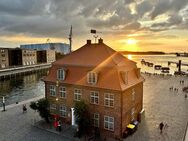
160 104
23 69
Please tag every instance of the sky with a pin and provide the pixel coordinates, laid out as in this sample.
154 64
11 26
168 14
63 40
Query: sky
131 25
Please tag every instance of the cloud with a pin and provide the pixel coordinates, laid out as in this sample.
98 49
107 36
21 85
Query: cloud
167 6
53 18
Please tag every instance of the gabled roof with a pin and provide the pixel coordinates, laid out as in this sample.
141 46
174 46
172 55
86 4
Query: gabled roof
99 58
95 55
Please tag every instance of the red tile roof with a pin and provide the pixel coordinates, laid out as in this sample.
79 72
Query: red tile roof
100 58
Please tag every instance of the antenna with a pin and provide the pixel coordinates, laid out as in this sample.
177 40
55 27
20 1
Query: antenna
70 38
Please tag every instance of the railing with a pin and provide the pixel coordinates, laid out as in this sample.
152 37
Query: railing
22 69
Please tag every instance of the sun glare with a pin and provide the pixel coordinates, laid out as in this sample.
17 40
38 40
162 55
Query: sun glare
131 41
129 56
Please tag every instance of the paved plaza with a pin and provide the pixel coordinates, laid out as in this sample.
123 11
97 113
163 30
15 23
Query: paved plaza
160 104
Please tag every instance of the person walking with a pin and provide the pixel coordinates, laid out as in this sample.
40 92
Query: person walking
24 108
59 125
161 126
185 96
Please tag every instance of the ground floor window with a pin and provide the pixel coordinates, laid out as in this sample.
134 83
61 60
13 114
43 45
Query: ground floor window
109 123
96 119
53 106
63 111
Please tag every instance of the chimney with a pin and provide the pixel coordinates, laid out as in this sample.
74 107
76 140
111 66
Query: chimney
88 42
100 41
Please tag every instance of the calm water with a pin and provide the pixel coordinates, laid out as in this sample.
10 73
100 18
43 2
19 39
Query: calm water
22 88
158 60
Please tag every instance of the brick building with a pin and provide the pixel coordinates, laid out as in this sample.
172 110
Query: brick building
4 61
108 82
46 56
23 57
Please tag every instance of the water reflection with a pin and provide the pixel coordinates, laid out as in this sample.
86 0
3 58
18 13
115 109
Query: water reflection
22 87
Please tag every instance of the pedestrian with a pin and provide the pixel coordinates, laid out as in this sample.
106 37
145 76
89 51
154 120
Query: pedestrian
24 108
185 96
161 126
59 125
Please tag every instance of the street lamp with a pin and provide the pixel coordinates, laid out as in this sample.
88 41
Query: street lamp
3 103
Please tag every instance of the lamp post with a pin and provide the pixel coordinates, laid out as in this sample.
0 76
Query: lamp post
3 103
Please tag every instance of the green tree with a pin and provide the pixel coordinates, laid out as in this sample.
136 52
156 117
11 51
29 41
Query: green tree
82 116
42 106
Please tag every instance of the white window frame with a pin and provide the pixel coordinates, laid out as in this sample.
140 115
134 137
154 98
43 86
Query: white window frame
61 74
52 90
63 111
92 77
109 121
53 106
77 94
62 92
96 119
94 97
109 99
133 94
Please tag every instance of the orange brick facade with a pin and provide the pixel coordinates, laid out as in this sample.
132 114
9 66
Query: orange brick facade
116 78
121 111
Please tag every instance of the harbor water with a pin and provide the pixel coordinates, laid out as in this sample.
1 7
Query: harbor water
159 60
22 87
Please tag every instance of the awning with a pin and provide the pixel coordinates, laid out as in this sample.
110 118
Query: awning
131 126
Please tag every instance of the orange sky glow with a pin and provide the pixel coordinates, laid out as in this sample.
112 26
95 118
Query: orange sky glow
130 25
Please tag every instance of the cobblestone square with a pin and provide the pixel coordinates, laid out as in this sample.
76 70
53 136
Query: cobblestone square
160 104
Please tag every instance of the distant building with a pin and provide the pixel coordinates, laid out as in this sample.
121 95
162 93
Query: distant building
58 47
46 56
4 60
107 81
19 57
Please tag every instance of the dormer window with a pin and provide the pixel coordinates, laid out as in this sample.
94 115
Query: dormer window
92 77
61 74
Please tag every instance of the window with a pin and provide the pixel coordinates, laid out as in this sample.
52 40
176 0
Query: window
63 111
62 91
133 94
61 74
52 90
94 97
109 99
92 78
132 114
96 120
2 50
53 107
109 123
77 94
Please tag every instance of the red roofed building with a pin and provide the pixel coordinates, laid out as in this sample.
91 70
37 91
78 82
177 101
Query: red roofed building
110 84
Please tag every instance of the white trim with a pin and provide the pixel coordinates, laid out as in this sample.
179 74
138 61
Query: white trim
107 120
94 95
108 99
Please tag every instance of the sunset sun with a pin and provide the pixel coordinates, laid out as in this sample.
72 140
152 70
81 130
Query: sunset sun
131 41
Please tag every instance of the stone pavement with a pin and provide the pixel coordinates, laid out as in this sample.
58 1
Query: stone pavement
18 126
160 104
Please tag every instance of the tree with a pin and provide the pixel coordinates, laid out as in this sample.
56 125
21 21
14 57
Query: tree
42 106
82 116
